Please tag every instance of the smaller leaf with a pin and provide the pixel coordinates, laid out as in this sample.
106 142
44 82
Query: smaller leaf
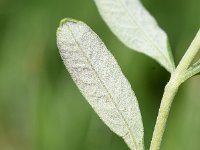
137 29
193 70
100 80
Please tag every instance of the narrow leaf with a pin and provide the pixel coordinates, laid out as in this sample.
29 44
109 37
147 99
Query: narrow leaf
99 78
193 70
137 29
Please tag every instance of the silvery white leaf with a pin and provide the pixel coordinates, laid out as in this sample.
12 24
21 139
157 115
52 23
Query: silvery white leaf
193 70
99 78
137 29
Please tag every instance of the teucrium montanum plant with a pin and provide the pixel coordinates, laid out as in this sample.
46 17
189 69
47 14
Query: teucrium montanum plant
100 79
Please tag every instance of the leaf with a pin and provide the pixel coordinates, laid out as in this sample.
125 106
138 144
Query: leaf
99 78
137 29
192 70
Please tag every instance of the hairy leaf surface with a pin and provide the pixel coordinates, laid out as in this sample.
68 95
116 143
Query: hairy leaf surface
193 70
101 81
137 29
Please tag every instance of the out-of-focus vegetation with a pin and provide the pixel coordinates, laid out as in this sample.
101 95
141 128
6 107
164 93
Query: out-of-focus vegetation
42 109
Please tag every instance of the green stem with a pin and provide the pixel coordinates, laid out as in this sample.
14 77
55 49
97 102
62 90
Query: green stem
168 96
190 54
171 88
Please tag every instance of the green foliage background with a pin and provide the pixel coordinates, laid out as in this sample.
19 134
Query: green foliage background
42 109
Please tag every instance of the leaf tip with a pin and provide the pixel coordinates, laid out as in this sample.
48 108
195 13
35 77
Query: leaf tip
66 20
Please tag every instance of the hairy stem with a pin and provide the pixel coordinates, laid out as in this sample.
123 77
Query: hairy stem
190 54
170 91
168 96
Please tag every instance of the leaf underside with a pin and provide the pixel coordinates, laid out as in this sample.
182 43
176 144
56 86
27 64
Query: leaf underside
100 80
137 29
193 70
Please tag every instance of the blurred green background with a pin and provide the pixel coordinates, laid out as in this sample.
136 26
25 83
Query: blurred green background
42 109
